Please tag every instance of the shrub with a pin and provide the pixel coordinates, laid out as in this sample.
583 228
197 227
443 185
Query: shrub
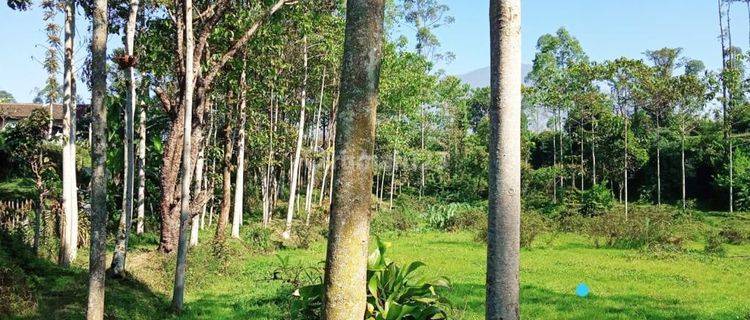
714 244
596 201
393 292
732 235
532 225
258 238
399 219
646 227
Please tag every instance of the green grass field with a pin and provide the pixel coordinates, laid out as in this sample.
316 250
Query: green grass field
625 284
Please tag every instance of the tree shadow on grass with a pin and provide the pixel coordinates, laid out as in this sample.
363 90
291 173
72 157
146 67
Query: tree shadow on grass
543 303
61 293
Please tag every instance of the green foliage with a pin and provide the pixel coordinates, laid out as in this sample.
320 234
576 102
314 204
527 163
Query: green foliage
258 238
393 292
596 201
733 235
645 227
714 244
532 226
400 219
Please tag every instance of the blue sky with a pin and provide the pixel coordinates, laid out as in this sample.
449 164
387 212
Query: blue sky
606 28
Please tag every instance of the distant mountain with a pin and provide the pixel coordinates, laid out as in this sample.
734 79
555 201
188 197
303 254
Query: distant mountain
481 77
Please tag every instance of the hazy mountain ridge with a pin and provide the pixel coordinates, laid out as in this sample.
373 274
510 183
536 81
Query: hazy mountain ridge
481 77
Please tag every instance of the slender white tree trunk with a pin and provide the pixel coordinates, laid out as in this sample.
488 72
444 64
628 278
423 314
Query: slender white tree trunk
195 225
505 161
625 166
123 233
239 184
294 170
314 149
658 162
731 172
69 241
682 167
139 228
393 179
179 277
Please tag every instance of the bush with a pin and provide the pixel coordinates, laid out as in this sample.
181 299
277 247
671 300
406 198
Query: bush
646 227
399 220
714 244
258 238
532 225
733 235
596 201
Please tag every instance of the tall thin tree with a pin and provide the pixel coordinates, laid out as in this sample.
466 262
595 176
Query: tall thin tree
128 61
295 163
69 241
182 244
97 253
503 234
239 184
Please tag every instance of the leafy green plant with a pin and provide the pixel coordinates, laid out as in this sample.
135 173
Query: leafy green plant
714 244
393 292
596 201
258 238
533 224
646 227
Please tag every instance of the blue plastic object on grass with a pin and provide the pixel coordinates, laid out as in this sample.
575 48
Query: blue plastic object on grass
582 290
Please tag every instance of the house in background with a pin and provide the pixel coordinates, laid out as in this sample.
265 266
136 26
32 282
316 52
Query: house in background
11 113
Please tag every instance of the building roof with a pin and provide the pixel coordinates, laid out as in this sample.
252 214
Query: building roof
23 110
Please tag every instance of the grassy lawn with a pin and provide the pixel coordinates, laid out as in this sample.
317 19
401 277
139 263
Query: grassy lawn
625 284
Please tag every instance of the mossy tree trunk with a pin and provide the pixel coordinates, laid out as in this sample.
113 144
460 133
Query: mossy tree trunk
346 257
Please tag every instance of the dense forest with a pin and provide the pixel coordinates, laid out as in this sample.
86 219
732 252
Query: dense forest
237 144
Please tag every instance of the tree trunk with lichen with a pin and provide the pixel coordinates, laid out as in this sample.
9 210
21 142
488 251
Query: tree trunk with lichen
503 234
346 257
97 253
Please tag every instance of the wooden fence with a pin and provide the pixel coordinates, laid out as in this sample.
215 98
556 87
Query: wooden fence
15 213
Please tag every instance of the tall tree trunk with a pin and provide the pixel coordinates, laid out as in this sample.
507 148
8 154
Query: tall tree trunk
346 256
198 186
393 179
267 196
505 161
593 156
123 231
182 245
682 166
226 199
97 253
239 184
141 203
421 165
294 170
658 161
69 236
554 160
625 165
314 149
731 172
